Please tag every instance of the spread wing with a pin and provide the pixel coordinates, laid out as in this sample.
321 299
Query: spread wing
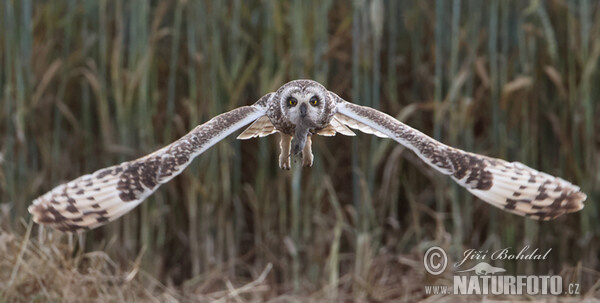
95 199
511 186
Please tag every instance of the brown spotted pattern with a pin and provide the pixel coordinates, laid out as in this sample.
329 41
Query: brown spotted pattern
95 199
513 187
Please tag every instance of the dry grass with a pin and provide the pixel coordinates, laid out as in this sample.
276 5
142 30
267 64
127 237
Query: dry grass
52 270
48 270
55 269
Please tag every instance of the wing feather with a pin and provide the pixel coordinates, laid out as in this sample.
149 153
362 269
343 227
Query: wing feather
511 186
335 126
260 128
340 127
353 123
100 197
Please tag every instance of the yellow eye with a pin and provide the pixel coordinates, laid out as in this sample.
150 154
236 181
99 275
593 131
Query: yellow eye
292 101
314 101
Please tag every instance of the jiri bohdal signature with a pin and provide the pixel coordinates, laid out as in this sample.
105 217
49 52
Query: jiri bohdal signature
503 254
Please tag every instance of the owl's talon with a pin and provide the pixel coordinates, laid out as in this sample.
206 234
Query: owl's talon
284 156
284 162
307 155
307 163
307 158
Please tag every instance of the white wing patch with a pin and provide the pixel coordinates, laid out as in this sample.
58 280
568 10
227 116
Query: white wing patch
335 126
260 128
359 125
95 199
513 187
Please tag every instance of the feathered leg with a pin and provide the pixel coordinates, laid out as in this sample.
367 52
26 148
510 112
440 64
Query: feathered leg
307 155
284 156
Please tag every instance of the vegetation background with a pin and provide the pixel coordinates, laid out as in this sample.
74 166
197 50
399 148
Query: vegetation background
87 84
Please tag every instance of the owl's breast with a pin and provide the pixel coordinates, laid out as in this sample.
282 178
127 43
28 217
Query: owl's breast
279 121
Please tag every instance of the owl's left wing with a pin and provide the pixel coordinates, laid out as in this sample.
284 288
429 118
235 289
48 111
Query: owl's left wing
511 186
100 197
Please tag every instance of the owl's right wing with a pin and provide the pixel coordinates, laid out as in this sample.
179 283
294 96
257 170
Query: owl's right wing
511 186
100 197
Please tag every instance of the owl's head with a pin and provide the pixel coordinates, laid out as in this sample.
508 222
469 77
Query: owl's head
304 103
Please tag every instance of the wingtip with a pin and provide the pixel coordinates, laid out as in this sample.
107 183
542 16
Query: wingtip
575 201
44 215
41 214
35 212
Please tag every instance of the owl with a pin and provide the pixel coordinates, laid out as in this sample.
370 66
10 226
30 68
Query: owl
299 110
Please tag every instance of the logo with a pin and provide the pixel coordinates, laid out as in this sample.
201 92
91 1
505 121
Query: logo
484 269
435 260
485 279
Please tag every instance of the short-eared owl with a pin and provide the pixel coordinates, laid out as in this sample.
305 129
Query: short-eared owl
298 110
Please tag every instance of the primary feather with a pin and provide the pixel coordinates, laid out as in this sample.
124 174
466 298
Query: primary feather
513 187
95 199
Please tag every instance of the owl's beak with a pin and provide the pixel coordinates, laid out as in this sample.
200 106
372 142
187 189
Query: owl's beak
303 110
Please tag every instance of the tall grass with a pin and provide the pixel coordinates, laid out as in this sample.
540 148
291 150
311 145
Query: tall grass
89 84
